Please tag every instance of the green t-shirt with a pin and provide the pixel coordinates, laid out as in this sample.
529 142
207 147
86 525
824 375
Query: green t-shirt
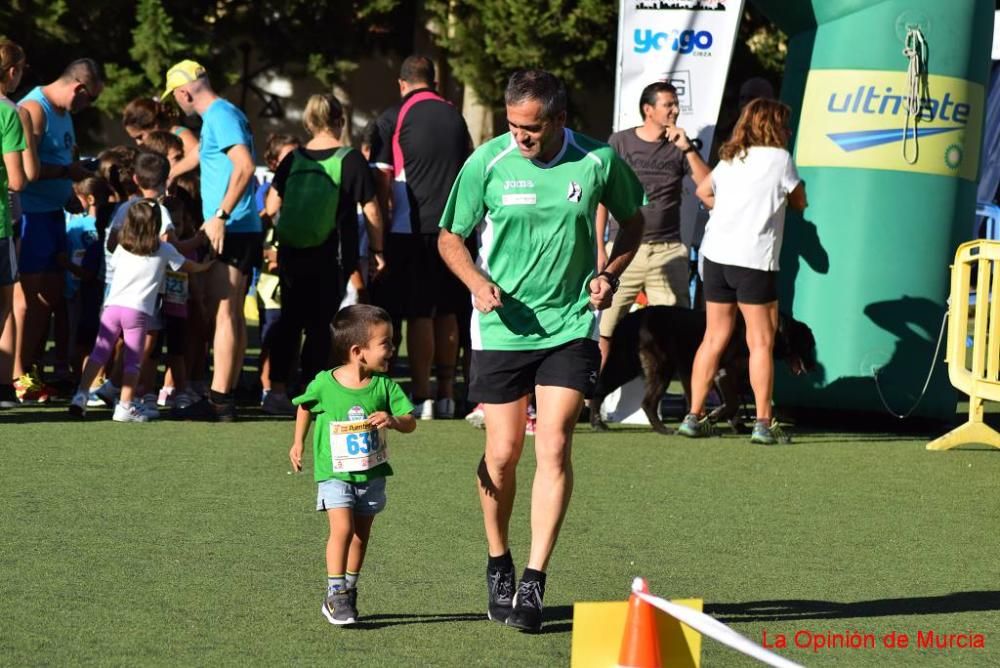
11 140
332 402
538 239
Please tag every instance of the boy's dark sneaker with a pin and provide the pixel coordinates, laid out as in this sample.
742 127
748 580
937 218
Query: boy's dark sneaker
526 614
338 610
500 587
206 410
353 593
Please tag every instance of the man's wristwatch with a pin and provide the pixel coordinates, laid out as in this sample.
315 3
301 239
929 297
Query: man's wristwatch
221 214
613 280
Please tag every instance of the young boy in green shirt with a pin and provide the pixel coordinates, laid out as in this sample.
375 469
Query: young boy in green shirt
353 405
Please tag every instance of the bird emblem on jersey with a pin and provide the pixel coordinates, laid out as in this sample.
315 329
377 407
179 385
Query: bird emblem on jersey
575 192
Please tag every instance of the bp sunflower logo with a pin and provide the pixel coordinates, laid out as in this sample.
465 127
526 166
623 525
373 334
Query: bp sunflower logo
953 156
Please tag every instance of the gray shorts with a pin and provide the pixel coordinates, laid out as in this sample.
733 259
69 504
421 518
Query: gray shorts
365 498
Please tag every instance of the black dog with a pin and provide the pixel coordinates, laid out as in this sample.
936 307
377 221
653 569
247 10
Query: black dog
659 343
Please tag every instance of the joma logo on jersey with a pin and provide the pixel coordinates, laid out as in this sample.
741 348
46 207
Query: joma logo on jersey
518 183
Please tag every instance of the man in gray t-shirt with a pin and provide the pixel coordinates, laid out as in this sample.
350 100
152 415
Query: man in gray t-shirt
661 155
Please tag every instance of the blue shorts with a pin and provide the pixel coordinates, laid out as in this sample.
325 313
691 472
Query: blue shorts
43 239
269 318
365 498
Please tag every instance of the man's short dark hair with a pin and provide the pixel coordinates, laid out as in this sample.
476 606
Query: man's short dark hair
650 92
545 87
417 70
352 327
151 170
85 70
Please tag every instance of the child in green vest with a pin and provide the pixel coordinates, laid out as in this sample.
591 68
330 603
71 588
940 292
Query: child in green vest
353 405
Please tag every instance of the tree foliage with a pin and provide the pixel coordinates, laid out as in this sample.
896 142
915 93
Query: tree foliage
486 40
136 42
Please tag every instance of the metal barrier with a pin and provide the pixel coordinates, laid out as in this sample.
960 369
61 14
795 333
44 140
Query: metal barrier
977 373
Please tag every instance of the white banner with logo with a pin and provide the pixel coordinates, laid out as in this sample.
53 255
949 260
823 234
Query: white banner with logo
688 43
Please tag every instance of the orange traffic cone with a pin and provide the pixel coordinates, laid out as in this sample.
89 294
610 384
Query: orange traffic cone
641 642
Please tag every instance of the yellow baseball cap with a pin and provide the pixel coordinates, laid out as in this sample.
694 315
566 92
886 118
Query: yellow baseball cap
180 74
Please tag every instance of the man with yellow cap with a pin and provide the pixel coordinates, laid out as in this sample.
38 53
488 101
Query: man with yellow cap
231 224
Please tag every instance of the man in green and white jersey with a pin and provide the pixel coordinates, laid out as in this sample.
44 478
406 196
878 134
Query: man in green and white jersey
536 189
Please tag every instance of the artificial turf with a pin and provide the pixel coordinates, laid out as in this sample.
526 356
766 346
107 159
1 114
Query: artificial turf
192 544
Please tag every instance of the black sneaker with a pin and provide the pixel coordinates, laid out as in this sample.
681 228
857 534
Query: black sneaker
500 588
206 410
8 397
526 614
338 610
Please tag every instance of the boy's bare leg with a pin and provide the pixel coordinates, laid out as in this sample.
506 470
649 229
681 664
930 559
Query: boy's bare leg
359 542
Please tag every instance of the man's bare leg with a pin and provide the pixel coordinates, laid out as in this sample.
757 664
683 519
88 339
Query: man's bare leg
558 409
498 467
226 294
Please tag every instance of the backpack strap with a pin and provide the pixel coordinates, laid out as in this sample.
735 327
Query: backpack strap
397 150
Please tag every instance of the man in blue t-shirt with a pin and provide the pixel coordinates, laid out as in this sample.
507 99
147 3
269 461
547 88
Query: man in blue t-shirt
42 228
231 224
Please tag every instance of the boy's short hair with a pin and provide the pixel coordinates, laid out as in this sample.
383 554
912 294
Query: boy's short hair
352 327
151 169
163 142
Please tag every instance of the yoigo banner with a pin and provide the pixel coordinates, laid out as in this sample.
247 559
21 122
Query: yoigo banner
688 43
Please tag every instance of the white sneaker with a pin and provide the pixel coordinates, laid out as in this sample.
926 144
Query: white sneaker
444 408
477 417
148 406
424 410
166 397
78 406
94 400
108 393
129 413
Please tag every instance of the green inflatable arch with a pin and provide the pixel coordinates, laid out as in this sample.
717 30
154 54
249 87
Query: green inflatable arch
867 267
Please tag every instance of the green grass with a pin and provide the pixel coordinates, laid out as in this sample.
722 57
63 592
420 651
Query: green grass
186 544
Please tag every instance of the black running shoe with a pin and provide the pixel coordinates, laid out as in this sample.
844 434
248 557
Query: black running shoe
500 588
526 614
206 410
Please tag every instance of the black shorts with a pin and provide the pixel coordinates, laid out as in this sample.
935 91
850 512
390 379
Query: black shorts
242 250
8 262
417 283
502 376
727 284
173 336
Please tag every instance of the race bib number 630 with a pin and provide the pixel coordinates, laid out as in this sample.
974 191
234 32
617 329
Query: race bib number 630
356 446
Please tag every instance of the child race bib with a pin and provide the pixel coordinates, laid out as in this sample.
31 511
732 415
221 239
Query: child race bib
357 446
175 288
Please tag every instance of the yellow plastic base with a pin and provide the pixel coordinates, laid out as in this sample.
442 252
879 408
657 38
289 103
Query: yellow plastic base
968 434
